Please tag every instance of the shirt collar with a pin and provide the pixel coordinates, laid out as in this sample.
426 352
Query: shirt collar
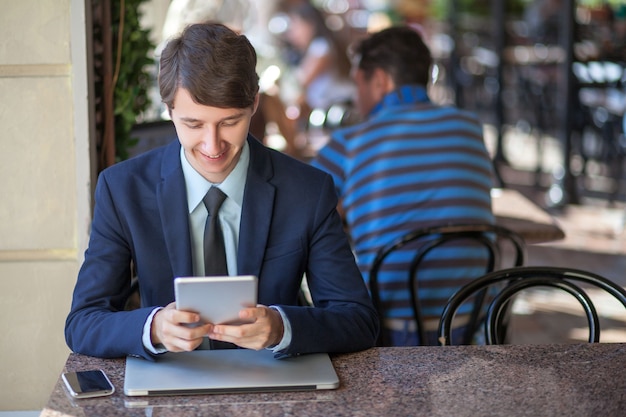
233 186
406 94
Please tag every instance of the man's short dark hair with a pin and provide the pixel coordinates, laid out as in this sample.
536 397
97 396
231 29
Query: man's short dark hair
399 51
216 65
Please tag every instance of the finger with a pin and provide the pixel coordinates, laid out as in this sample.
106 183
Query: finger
184 317
251 314
266 330
180 338
239 337
172 328
253 324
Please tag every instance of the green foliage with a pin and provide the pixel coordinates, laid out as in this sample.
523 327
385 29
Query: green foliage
441 8
130 96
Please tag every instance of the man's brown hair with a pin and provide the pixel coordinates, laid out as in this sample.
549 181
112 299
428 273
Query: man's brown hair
215 64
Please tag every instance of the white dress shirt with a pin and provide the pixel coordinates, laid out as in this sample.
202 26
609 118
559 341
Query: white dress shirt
229 214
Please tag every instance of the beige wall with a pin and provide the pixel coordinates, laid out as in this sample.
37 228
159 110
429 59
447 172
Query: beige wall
45 187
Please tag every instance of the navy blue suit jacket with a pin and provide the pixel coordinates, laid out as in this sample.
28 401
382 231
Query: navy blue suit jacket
289 226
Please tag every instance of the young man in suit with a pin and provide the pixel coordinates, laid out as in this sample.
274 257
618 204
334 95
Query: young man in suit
279 222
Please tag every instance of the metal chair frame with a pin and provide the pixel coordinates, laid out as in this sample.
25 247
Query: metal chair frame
521 278
439 235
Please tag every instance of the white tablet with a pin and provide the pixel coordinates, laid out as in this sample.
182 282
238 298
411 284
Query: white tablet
219 299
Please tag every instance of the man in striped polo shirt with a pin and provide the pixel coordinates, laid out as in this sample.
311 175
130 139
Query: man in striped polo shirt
410 164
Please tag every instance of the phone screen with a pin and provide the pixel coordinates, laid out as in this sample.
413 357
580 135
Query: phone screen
84 384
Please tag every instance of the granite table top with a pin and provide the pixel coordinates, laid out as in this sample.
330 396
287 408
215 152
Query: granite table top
505 380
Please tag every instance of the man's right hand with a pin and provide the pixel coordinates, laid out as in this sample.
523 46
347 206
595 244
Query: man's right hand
171 328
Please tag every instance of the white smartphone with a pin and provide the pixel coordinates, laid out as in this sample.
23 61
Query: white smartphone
88 384
218 300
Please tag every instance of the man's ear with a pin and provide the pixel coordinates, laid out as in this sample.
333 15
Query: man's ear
383 81
169 109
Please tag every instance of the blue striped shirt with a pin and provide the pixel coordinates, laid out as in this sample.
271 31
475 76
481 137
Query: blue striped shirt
412 164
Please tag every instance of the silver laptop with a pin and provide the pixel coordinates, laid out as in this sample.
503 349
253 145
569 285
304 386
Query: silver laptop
227 371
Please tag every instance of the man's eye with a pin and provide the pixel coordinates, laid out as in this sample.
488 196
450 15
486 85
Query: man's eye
229 123
194 126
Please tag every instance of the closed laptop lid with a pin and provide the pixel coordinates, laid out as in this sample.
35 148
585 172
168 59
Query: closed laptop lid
227 371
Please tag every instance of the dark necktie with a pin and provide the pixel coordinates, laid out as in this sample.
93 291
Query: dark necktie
214 252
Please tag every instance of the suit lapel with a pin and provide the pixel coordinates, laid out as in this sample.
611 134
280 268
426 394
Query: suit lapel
256 215
172 201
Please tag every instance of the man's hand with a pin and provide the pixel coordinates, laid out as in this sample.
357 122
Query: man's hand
265 329
170 328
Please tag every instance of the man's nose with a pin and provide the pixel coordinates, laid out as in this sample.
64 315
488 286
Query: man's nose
210 141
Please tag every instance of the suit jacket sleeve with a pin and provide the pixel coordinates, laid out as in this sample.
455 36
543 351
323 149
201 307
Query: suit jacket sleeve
343 319
290 228
97 324
141 221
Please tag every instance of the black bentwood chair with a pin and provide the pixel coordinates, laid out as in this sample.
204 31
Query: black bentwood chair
521 278
491 237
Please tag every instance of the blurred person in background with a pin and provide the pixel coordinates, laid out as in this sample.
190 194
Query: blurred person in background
321 69
410 164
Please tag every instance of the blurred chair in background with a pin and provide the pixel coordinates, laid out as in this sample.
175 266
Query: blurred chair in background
422 245
521 278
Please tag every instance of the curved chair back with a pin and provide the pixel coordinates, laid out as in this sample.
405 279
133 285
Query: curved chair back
521 278
486 235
